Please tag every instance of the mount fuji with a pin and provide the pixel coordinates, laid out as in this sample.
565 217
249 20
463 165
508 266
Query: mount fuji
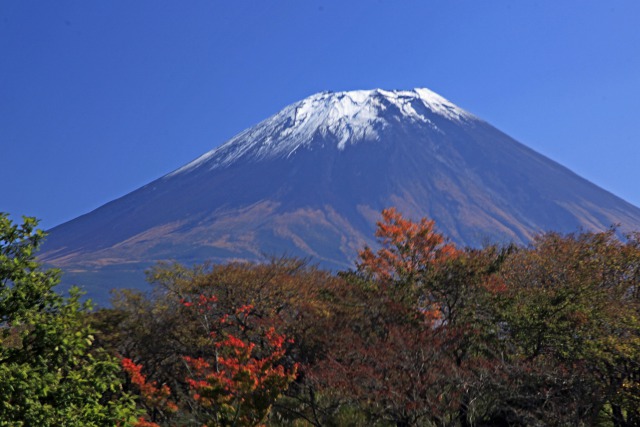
312 179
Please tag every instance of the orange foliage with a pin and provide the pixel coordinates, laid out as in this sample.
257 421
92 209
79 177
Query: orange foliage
154 397
407 248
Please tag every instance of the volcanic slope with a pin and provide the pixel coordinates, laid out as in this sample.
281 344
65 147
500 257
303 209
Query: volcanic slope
312 179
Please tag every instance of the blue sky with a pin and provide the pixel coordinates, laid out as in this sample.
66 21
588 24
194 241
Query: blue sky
100 97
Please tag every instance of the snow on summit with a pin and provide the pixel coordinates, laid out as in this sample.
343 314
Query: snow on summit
344 117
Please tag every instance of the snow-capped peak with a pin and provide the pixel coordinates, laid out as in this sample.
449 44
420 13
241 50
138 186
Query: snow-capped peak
343 117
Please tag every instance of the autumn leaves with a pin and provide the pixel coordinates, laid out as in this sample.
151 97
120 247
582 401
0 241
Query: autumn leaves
421 334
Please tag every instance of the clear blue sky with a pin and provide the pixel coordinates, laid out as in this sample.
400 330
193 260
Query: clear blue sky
100 97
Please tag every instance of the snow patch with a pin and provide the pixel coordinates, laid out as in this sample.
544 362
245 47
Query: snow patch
346 117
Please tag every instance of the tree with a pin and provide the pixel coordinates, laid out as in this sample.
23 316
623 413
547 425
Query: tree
408 249
571 331
160 329
156 400
236 385
412 341
240 384
51 374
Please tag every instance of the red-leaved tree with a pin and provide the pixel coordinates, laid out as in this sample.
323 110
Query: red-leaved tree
236 383
153 398
240 383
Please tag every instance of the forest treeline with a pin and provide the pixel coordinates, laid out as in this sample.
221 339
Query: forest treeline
419 333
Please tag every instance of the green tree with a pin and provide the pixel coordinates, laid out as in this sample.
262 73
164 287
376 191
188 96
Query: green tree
571 332
50 372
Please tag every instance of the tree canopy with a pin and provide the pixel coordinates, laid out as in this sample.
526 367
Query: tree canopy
420 333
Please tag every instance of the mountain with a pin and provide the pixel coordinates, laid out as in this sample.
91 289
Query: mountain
312 179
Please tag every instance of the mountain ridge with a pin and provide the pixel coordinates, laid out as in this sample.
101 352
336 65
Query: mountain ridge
311 182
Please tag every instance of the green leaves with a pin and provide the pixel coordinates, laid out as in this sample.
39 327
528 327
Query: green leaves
50 372
570 323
